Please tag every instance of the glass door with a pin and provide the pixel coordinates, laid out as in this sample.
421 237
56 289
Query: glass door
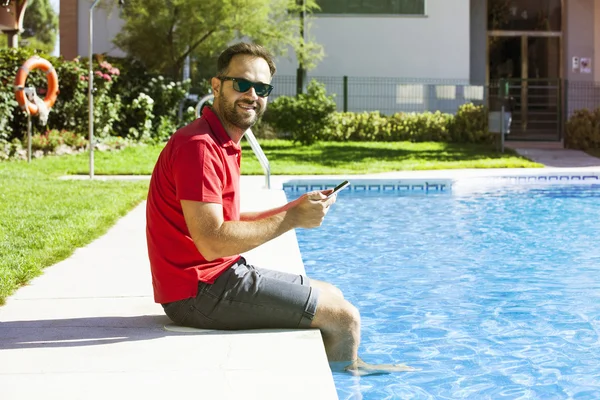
541 104
531 65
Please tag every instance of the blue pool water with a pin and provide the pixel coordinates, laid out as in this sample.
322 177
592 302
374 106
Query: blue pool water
492 293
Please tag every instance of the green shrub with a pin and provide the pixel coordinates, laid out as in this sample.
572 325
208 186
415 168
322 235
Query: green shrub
73 140
470 125
583 130
117 85
138 116
365 126
13 149
305 117
163 131
167 96
70 112
49 141
421 127
189 115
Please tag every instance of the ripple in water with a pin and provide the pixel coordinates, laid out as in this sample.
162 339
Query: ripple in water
491 294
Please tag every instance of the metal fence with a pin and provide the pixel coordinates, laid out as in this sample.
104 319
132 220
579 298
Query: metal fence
580 95
390 95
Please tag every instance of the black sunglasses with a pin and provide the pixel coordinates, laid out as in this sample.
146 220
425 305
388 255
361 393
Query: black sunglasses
243 85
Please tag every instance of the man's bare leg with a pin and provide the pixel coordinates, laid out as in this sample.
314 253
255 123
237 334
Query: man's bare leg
339 323
326 286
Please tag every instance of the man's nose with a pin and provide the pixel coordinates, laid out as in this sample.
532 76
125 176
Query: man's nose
251 93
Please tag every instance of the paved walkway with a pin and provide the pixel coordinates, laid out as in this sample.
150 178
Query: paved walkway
88 329
552 155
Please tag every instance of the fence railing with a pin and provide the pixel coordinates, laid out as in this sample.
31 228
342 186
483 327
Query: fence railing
392 95
580 95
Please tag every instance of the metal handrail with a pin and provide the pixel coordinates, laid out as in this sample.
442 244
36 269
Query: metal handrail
258 151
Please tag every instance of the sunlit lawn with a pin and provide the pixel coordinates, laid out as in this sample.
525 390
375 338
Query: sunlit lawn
287 158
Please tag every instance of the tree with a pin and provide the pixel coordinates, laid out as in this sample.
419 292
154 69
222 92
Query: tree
40 25
161 34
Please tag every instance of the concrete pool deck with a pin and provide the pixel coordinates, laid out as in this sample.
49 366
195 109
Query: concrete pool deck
88 327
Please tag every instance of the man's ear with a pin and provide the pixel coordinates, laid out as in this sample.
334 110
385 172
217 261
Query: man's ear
216 85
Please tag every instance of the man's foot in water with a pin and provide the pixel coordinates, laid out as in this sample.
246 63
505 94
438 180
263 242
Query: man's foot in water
361 368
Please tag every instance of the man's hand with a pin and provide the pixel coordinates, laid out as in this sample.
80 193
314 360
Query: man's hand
309 210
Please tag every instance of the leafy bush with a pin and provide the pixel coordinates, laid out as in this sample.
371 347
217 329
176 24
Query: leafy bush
470 125
115 107
51 140
305 117
12 149
311 116
139 116
421 127
583 130
363 126
107 107
164 130
70 111
167 96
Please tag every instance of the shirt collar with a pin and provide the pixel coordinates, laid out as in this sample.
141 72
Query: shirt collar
217 128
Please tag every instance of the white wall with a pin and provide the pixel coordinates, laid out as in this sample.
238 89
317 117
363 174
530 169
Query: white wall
106 25
360 46
433 46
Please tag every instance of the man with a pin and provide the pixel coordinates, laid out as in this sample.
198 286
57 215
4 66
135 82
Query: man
195 231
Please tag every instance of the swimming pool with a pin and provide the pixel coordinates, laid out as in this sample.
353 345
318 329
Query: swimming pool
492 291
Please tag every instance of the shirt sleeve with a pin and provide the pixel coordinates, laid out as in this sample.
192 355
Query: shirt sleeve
198 172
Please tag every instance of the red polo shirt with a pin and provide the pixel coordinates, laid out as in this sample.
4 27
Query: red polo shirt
199 163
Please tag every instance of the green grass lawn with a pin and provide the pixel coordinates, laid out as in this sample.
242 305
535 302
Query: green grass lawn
44 219
324 158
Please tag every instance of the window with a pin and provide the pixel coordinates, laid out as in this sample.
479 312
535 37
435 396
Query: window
397 7
524 15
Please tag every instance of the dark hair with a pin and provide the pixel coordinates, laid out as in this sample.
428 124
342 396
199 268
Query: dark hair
249 49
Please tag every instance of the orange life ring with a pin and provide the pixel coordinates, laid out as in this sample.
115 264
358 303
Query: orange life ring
36 62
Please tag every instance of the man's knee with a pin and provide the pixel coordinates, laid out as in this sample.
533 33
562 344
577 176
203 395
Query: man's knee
350 317
335 314
326 286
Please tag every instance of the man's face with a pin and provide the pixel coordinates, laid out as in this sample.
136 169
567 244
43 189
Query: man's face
242 110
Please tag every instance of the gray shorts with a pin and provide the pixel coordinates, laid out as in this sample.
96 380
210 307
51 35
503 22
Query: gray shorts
245 297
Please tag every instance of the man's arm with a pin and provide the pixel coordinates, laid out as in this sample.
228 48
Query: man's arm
215 238
256 215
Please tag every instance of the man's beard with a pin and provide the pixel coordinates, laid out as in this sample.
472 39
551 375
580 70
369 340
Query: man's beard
232 115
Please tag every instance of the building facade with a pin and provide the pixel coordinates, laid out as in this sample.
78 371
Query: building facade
418 55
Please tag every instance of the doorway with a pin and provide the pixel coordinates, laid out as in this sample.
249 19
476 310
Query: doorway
530 64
